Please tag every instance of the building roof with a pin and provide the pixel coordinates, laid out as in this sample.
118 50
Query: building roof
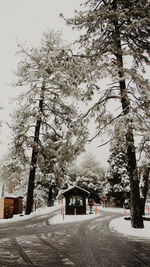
75 189
10 196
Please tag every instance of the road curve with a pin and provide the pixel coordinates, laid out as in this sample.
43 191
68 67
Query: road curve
34 242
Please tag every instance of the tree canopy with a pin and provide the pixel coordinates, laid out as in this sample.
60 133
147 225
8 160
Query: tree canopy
90 175
47 123
115 42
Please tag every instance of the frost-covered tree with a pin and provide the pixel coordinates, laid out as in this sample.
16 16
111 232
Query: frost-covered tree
13 174
117 174
88 175
52 166
115 41
48 75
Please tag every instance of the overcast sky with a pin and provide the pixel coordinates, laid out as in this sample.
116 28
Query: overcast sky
26 20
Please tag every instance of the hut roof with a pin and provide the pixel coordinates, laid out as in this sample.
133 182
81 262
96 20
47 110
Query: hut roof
76 189
11 196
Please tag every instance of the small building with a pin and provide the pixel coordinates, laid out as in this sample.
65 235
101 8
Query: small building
75 200
10 206
18 205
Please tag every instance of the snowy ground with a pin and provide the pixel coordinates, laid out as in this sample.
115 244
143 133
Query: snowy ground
40 211
115 210
117 225
124 227
70 218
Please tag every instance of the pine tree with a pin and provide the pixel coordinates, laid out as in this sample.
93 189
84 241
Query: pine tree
117 174
115 41
14 170
89 175
47 107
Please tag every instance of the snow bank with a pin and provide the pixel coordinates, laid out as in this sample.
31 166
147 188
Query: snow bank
70 218
40 211
124 227
114 210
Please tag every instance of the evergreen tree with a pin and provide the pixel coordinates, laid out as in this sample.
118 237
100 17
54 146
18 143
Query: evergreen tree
88 175
115 41
13 174
47 107
117 174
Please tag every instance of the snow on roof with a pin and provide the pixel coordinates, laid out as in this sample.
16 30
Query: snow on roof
11 196
75 187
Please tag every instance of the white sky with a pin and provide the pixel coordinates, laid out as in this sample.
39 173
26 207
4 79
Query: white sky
26 20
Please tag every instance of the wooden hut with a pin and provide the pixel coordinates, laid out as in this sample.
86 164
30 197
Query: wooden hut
75 200
10 206
18 205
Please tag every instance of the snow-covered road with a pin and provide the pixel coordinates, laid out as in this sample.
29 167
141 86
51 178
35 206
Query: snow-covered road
37 242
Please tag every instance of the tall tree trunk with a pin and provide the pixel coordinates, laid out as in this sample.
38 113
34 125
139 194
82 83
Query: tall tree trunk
50 197
136 210
144 189
29 202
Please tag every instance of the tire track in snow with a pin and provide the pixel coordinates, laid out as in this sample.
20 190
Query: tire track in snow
59 252
132 251
85 244
21 251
